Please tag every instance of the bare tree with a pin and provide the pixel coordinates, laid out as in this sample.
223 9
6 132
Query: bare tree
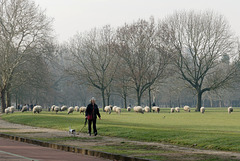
93 58
23 27
199 42
122 83
142 53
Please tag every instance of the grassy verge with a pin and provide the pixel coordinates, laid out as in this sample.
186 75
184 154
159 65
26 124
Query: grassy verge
216 129
141 151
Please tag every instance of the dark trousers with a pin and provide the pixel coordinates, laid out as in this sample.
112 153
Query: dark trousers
94 126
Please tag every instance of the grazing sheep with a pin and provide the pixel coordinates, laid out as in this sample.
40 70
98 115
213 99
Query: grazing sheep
70 110
177 109
52 108
230 110
114 108
118 110
82 109
64 108
11 109
156 109
138 109
24 108
147 109
128 109
37 109
7 110
186 108
107 109
76 108
56 109
202 110
172 110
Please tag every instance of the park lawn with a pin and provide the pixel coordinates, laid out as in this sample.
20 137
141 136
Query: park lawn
216 129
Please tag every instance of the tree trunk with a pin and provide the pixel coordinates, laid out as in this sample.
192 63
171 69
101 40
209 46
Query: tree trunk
220 103
103 99
125 101
9 99
138 97
16 100
108 99
211 102
3 103
8 96
149 98
36 96
139 100
170 101
199 100
179 104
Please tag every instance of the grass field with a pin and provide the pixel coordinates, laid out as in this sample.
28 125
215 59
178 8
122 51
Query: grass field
216 129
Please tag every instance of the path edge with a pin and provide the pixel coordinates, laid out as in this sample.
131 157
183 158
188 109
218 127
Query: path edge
73 149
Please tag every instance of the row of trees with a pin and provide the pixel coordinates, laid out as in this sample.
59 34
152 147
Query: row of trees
185 58
24 45
129 58
198 48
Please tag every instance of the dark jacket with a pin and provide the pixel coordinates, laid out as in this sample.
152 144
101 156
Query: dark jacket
89 111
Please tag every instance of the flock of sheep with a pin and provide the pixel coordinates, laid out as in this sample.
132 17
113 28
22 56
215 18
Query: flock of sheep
140 109
36 109
68 109
137 109
108 109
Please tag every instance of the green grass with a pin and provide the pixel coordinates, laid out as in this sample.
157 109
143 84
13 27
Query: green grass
216 129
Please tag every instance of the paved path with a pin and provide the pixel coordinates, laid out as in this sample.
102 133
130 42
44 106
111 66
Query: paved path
18 151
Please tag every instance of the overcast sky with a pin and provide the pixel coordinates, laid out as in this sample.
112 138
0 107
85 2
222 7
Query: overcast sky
72 16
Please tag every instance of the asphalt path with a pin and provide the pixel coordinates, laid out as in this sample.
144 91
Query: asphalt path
18 151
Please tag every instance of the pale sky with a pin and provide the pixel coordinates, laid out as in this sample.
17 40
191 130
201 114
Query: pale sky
72 16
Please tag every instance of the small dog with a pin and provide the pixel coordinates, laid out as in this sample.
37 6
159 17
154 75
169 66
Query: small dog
72 131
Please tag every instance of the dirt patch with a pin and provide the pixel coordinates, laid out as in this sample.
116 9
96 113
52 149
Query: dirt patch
83 140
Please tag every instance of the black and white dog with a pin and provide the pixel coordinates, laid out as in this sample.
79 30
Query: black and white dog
72 131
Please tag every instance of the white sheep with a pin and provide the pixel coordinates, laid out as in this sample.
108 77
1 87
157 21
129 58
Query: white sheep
24 108
52 108
56 109
138 109
114 108
186 108
37 109
172 110
128 109
82 109
70 110
118 110
107 109
147 109
7 110
64 108
156 109
177 109
230 109
202 110
76 108
11 109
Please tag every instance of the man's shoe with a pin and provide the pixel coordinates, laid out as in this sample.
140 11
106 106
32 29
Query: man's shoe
89 134
95 134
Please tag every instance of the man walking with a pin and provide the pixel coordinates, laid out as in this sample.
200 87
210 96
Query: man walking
92 112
